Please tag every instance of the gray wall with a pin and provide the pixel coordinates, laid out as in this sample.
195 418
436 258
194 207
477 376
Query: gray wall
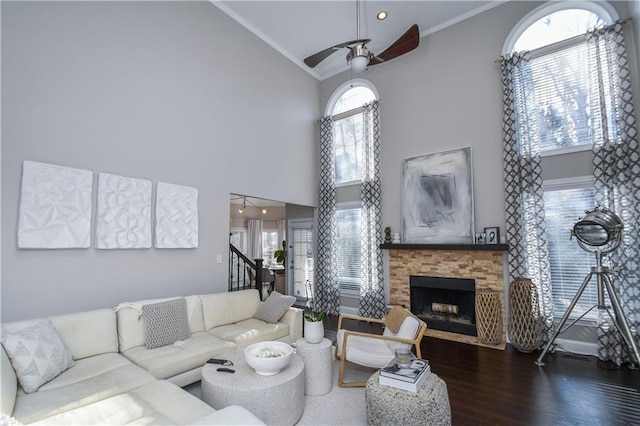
166 91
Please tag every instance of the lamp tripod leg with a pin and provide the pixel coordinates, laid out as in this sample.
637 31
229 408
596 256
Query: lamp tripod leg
621 322
564 319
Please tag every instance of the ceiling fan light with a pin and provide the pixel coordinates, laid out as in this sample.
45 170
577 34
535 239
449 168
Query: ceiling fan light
359 63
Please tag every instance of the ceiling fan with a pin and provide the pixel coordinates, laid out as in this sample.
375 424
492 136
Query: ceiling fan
359 56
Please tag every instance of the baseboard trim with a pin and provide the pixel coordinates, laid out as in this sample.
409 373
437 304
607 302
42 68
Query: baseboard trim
576 347
349 310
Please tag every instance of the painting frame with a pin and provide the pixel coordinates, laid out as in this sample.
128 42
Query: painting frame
437 198
492 235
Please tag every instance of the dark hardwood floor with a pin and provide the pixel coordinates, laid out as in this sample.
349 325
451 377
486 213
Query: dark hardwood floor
494 387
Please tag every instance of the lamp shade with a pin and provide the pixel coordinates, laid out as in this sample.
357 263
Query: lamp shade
359 63
598 227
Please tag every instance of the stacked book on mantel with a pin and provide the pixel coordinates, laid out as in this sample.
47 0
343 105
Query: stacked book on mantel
409 379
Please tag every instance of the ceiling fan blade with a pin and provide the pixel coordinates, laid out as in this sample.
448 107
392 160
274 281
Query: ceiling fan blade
313 60
406 43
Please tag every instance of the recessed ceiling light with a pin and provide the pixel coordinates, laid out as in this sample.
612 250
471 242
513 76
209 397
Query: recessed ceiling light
382 15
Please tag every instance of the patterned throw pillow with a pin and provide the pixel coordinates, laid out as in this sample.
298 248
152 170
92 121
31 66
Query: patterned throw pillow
272 309
38 354
165 323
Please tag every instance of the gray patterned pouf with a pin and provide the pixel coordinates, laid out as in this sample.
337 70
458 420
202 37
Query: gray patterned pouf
390 406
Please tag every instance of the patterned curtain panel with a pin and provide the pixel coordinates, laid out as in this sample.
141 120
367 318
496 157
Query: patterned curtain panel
616 168
327 289
526 229
372 303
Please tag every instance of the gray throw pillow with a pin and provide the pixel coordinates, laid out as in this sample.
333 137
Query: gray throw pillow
165 323
38 354
272 309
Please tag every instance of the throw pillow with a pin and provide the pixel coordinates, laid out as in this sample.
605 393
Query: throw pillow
272 309
165 323
38 354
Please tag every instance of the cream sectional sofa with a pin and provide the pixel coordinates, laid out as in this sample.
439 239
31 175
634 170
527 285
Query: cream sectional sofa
115 379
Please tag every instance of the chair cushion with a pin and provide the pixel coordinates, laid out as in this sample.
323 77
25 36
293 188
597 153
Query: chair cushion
165 323
366 351
395 317
38 354
272 309
408 330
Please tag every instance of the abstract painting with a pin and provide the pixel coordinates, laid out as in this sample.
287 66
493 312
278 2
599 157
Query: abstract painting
55 207
176 216
124 212
437 198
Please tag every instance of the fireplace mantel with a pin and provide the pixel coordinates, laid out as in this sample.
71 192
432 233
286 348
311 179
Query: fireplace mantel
479 247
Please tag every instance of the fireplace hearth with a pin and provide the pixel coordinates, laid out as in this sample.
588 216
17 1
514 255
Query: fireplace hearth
446 304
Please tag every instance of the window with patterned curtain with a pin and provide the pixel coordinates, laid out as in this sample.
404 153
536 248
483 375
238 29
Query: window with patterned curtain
349 234
566 89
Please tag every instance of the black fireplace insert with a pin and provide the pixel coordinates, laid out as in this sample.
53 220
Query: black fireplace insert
446 304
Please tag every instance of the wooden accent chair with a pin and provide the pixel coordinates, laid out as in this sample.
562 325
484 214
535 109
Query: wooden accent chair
401 329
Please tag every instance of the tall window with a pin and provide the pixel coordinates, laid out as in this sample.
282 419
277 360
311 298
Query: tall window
559 116
564 203
349 133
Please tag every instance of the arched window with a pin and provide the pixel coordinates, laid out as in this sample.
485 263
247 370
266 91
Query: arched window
345 106
554 36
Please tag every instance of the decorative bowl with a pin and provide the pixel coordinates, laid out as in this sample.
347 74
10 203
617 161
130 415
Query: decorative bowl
268 358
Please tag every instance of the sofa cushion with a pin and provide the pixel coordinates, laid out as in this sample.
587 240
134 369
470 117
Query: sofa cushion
272 309
230 415
168 361
156 403
85 333
9 384
165 323
38 354
131 326
89 380
228 308
247 332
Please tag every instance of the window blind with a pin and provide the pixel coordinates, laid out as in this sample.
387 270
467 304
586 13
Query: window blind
348 137
561 95
568 262
348 253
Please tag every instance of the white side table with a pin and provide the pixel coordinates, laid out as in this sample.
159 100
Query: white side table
317 366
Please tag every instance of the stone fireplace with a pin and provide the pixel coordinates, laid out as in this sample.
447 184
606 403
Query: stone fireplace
481 263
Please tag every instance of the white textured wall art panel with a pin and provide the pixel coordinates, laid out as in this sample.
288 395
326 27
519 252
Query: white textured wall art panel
124 212
176 216
55 207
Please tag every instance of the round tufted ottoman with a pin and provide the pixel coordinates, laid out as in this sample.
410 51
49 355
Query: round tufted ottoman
388 406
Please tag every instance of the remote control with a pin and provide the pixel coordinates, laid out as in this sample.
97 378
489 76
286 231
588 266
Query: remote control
226 370
216 361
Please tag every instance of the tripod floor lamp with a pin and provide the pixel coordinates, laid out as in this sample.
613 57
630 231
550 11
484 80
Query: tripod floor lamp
599 232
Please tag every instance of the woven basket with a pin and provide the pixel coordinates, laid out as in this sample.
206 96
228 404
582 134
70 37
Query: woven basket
488 316
525 325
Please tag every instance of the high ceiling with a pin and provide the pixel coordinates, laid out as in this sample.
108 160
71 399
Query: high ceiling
298 29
